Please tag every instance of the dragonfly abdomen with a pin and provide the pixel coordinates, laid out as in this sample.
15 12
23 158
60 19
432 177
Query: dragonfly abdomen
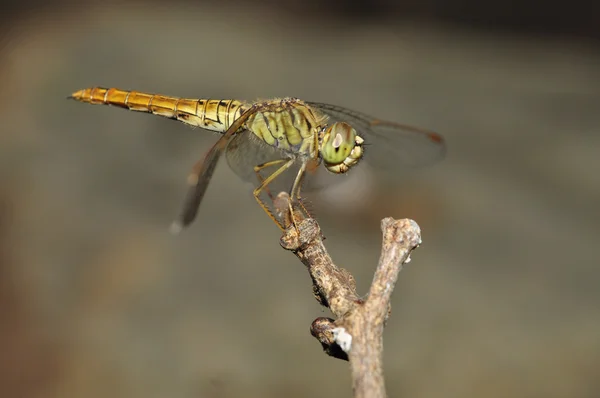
215 115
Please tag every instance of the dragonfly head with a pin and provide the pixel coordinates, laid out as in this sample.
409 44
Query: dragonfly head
341 147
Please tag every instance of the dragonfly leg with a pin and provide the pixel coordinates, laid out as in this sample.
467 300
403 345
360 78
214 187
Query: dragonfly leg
295 192
258 168
265 182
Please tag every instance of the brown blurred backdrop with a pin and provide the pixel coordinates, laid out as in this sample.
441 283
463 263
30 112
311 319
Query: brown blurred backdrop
98 300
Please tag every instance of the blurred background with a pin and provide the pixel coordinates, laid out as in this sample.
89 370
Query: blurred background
97 299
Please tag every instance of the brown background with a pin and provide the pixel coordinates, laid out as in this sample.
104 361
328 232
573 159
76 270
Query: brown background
98 300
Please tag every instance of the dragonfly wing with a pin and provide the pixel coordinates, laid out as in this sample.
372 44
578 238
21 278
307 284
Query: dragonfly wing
389 145
245 151
201 174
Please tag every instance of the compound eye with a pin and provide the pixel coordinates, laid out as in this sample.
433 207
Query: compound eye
338 142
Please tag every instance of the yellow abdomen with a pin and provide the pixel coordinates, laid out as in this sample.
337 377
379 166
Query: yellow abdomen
215 115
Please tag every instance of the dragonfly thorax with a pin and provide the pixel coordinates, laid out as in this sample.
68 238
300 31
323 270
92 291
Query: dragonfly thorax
341 147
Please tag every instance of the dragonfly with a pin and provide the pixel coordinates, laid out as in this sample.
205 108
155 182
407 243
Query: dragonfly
264 140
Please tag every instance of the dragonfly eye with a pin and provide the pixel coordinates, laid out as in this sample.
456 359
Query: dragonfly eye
341 147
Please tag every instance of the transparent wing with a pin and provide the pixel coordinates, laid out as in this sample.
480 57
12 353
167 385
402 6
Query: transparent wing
201 175
245 151
389 145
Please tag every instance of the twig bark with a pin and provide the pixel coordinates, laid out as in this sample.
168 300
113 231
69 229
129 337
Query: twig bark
356 334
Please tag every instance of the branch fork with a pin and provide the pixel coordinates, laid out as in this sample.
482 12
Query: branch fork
356 333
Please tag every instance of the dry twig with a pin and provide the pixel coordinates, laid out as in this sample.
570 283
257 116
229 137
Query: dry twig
357 333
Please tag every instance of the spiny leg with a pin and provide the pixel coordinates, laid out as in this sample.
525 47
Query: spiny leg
298 184
295 193
265 183
258 168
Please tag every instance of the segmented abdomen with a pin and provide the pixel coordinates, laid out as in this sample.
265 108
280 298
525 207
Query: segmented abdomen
215 115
